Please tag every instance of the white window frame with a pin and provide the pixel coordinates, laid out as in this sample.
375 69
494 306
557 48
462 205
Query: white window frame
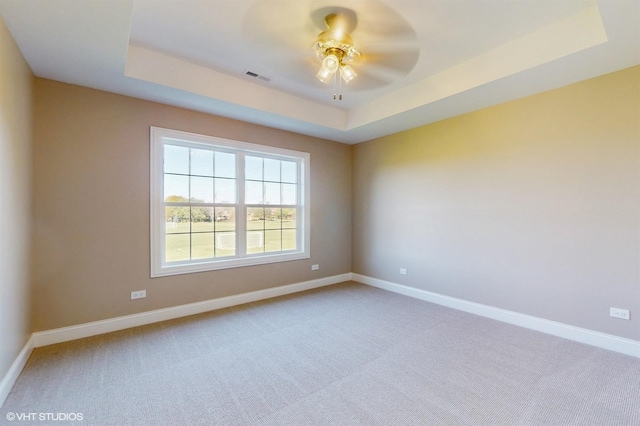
160 268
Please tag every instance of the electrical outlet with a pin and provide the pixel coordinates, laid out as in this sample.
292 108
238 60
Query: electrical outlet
403 271
619 313
138 294
315 267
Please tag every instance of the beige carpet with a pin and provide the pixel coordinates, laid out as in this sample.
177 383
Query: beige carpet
341 355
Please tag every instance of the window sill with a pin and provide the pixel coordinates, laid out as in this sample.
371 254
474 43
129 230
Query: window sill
179 269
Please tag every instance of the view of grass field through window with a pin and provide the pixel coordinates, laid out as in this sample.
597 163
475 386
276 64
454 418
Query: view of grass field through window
201 204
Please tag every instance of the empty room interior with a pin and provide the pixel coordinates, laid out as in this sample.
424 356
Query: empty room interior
320 212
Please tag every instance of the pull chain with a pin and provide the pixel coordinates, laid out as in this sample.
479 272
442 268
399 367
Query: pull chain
335 85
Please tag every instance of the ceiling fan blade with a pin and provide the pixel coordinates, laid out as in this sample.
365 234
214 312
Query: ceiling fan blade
387 46
385 27
402 62
383 72
369 79
298 69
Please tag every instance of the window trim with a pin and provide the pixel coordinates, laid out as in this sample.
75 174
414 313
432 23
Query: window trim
156 205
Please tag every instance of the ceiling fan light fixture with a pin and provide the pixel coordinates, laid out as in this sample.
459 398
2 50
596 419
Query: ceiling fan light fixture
334 48
347 73
324 75
331 63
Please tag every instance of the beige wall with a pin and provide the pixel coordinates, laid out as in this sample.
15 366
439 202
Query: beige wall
16 83
531 206
91 207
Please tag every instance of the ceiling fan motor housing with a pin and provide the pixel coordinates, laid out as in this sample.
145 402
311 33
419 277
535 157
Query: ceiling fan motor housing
335 41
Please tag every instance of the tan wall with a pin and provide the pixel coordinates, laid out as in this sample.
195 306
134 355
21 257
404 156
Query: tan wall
531 206
16 83
91 207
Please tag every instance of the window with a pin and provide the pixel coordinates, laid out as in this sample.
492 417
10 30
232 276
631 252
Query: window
218 203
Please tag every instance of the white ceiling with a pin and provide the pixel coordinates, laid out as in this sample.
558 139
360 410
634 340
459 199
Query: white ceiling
456 55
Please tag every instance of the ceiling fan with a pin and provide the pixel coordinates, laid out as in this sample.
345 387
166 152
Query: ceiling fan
334 47
307 41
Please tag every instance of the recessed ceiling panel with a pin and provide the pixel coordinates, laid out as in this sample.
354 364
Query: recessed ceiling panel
401 42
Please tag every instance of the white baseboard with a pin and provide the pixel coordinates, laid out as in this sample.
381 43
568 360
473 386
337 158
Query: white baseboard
59 335
14 371
582 335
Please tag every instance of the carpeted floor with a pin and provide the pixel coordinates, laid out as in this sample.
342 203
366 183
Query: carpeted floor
340 355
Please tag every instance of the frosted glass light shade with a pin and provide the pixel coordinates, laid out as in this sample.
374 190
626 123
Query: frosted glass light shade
347 73
324 75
